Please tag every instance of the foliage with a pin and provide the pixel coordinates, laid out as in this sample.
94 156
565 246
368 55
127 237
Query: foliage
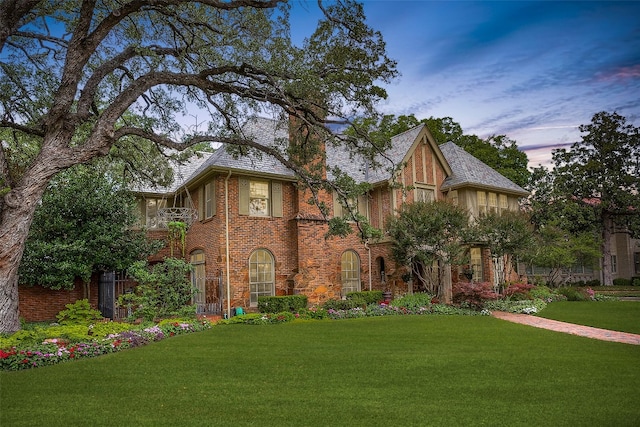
620 281
259 318
37 352
164 289
601 174
546 294
424 234
277 304
82 81
574 294
507 235
518 291
558 250
473 294
79 312
83 225
177 234
367 297
413 301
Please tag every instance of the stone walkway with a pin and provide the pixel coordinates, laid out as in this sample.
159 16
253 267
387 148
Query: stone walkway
569 328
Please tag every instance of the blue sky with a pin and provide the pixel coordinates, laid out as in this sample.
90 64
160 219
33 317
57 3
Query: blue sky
531 70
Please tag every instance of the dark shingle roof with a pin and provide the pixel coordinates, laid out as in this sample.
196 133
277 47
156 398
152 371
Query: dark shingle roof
469 171
357 168
264 131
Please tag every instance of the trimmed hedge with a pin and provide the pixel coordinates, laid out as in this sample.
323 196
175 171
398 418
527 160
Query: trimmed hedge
279 304
366 297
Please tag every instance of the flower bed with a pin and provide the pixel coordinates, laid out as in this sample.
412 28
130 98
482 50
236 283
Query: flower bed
51 351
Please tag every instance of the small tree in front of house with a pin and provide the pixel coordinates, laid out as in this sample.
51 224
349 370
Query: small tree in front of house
428 238
164 289
507 235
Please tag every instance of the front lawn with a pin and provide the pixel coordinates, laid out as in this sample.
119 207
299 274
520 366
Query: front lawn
392 370
623 316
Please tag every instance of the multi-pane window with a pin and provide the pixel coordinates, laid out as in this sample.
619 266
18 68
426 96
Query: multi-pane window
493 202
261 275
423 194
350 272
260 197
151 208
482 202
476 264
452 196
503 202
359 205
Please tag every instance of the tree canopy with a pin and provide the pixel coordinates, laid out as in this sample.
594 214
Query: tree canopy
83 225
595 184
80 77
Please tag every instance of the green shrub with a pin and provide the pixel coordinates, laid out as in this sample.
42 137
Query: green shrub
78 313
635 281
573 294
277 304
620 281
413 301
366 297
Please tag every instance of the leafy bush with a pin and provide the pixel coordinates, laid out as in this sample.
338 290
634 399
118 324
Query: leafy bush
621 282
277 304
413 301
317 313
80 312
518 291
260 318
546 294
635 281
366 297
473 294
164 289
573 294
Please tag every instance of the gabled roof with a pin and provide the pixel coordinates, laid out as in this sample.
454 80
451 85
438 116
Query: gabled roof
402 146
468 171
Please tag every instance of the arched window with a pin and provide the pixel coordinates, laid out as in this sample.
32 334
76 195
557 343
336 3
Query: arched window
350 272
261 275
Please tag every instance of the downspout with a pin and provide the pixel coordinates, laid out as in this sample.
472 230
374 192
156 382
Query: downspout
226 232
366 246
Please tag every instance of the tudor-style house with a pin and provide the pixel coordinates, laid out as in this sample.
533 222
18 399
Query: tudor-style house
252 232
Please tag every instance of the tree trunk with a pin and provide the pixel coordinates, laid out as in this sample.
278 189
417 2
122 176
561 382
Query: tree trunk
15 219
607 226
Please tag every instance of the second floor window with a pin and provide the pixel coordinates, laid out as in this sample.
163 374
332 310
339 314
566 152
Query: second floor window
260 197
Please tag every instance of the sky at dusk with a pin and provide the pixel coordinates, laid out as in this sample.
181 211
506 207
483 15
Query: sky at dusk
533 71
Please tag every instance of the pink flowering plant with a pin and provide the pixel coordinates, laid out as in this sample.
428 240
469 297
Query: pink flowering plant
29 350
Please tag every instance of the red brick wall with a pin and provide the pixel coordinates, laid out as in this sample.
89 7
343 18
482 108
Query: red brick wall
38 304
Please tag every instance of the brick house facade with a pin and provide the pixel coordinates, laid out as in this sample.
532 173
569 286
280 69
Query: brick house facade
256 234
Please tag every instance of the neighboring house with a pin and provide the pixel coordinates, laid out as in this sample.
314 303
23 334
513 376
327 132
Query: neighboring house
252 232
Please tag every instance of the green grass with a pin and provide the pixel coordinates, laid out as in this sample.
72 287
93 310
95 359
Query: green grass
623 316
405 370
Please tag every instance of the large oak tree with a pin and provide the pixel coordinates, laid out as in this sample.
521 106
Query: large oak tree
78 77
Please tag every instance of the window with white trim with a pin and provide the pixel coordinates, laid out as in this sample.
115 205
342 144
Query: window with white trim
261 275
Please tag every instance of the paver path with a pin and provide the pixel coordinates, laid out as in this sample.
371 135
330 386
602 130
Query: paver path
569 328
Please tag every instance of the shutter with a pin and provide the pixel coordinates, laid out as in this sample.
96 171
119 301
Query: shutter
363 205
337 207
201 198
243 196
276 199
